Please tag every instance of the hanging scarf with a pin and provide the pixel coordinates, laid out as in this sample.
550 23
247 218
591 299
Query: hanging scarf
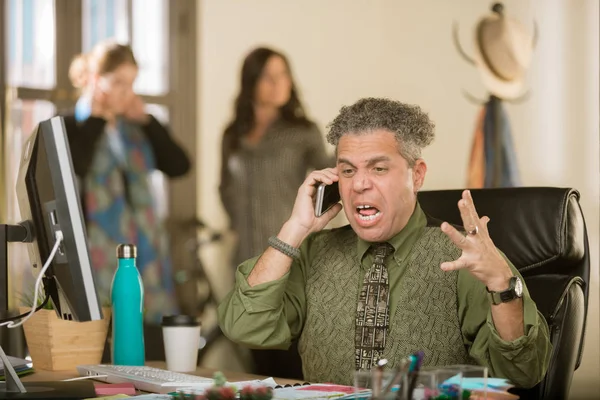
493 161
119 208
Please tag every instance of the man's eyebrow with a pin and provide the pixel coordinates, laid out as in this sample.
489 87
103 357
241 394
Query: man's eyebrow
345 161
377 159
370 162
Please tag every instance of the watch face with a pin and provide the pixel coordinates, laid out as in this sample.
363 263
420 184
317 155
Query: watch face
519 288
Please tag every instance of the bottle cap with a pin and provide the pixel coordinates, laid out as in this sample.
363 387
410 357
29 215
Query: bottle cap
126 251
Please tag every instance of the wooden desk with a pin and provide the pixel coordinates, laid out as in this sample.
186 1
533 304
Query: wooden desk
45 376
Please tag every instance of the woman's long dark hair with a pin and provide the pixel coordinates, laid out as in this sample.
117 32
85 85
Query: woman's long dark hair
244 119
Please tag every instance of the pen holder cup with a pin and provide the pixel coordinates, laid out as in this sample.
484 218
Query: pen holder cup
421 385
371 384
474 378
441 383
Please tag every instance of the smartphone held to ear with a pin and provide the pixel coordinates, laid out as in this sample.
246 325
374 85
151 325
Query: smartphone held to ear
327 196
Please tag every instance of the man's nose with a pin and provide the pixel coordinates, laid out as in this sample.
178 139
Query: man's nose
361 182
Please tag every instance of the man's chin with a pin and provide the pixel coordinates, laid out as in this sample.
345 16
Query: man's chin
371 234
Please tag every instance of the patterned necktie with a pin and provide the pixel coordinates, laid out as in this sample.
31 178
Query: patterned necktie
372 313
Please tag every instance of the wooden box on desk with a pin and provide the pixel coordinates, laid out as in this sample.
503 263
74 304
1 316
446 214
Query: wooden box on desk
57 345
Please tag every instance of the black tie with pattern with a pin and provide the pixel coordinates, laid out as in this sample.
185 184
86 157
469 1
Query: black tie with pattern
372 313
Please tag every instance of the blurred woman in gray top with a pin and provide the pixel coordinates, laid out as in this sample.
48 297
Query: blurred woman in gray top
267 149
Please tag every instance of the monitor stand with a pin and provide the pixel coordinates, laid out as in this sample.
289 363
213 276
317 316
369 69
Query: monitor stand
10 234
13 388
13 383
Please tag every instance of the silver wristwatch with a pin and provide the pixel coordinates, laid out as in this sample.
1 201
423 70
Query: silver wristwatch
514 291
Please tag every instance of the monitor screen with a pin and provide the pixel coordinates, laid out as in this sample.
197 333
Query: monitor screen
48 198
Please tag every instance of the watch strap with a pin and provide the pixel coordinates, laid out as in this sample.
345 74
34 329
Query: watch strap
506 295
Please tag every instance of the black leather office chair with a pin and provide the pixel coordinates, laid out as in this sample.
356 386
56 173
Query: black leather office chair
542 231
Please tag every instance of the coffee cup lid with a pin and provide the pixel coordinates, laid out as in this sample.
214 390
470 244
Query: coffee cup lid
180 320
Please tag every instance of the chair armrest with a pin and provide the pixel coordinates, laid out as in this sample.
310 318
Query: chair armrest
560 299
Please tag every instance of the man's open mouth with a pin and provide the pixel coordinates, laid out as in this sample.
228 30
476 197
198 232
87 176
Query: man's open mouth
367 212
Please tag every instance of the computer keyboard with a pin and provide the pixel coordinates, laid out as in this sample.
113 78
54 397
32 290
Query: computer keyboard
148 379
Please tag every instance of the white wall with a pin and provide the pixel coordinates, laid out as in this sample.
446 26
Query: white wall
342 50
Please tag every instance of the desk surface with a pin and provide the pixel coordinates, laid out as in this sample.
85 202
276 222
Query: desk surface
41 375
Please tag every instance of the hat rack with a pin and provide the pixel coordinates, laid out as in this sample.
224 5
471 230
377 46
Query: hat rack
497 8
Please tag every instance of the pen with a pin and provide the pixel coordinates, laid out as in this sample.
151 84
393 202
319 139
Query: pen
400 371
378 377
414 373
410 378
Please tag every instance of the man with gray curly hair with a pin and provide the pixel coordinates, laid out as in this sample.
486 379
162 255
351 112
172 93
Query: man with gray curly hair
394 280
411 126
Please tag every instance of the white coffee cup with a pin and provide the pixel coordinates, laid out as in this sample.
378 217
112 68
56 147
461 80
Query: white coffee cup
181 336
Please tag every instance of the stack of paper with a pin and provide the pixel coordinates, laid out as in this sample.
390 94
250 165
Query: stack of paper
310 392
497 388
21 366
193 391
141 397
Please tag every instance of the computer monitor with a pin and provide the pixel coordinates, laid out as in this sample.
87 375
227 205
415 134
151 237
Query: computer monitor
48 197
49 202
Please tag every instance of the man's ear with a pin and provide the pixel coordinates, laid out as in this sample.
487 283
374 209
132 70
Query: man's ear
419 171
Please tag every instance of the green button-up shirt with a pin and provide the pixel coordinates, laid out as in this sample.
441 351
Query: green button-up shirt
272 314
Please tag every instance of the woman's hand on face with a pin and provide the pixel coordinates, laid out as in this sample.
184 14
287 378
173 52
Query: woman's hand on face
136 111
100 104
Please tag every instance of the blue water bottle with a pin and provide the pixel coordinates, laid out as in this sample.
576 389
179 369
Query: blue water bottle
127 298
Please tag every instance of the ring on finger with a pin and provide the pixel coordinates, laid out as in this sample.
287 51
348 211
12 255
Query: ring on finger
473 231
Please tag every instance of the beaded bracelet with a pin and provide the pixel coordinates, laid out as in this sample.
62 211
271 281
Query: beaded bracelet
284 248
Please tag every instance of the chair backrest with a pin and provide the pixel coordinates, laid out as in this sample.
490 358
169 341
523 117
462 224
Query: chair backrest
542 231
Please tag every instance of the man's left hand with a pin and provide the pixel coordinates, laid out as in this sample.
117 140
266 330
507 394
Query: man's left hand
479 254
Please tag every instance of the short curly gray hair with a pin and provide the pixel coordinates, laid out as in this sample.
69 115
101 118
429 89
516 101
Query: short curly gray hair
412 127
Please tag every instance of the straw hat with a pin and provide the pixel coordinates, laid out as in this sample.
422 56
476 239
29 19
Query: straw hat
503 50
